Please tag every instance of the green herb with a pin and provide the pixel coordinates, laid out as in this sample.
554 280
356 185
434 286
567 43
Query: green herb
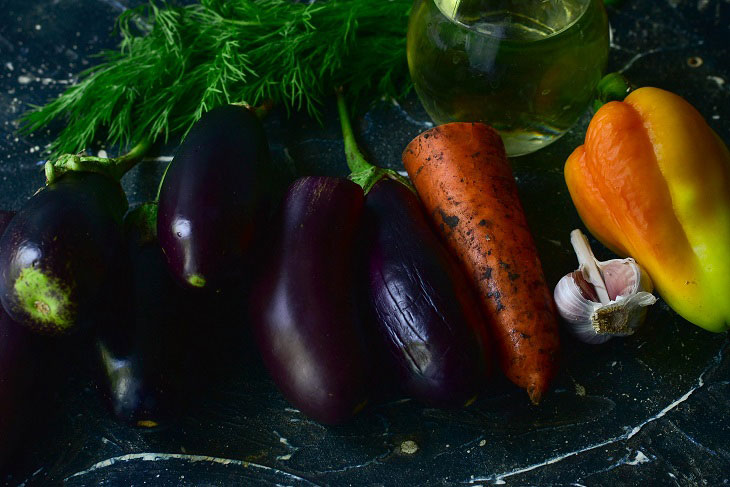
176 62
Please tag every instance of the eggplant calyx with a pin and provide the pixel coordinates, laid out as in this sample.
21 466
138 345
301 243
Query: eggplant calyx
142 223
114 167
368 177
261 111
362 172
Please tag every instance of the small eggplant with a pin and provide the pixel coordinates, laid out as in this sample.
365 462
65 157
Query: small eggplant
427 315
145 352
304 309
213 198
58 251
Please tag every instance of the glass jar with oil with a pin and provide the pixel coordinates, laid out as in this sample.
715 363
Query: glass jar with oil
528 68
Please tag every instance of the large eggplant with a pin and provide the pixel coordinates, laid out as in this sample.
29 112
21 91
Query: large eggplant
213 198
147 351
305 313
426 313
59 249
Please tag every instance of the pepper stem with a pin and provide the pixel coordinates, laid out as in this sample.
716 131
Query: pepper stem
114 167
361 171
588 265
612 87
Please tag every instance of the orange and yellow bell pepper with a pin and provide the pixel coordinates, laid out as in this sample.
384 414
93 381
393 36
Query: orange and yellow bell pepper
652 181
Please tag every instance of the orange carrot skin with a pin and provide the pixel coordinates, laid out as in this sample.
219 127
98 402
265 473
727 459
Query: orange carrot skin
464 179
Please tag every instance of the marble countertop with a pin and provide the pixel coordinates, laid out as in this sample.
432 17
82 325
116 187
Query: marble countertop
650 409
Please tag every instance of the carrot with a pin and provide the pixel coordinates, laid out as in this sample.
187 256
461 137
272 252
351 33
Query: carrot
462 175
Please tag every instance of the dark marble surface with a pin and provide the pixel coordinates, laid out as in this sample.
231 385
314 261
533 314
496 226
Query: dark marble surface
650 409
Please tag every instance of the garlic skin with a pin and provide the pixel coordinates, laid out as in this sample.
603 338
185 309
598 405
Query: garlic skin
602 300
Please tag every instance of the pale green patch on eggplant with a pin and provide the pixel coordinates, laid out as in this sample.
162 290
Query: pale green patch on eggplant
47 300
196 280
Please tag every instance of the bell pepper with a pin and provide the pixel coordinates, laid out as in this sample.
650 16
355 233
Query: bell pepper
652 181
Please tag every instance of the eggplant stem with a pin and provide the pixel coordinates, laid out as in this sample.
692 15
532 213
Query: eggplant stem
361 171
122 164
261 111
589 265
162 180
114 167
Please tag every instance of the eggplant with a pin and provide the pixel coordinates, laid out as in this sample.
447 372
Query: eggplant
427 315
214 198
59 249
304 311
146 353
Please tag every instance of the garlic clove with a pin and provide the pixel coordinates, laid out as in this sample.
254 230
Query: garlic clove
624 277
602 299
576 309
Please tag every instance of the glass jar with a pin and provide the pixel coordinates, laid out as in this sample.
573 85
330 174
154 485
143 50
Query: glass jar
528 68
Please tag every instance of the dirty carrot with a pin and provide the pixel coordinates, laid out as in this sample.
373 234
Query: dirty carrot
462 175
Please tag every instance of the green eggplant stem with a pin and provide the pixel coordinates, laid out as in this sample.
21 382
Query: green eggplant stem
162 180
612 87
361 171
260 111
114 167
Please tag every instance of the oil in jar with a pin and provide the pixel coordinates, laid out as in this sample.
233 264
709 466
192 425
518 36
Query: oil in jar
528 68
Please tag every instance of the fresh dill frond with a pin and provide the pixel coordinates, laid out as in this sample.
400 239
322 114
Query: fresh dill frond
176 62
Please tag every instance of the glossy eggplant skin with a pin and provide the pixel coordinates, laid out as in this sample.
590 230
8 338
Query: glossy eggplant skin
59 249
214 197
426 314
304 310
146 353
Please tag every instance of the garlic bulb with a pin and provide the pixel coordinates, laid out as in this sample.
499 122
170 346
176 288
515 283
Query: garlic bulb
602 299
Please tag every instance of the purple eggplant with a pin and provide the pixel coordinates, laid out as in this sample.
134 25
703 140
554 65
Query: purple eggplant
305 313
427 315
213 198
145 349
59 250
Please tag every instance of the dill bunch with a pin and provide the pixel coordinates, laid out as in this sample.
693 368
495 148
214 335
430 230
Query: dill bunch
176 62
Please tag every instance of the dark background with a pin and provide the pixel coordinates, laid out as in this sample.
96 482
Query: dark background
650 409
